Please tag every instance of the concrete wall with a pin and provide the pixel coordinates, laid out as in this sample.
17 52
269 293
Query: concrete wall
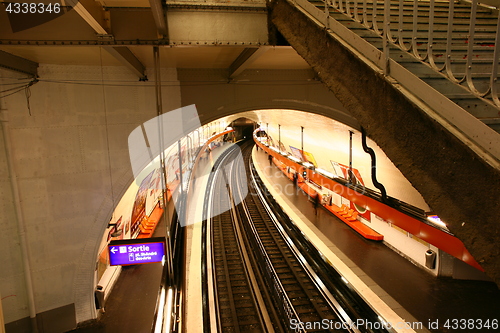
72 164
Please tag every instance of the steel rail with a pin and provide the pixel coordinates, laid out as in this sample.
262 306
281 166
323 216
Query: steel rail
314 302
282 246
334 304
272 276
224 234
209 290
264 317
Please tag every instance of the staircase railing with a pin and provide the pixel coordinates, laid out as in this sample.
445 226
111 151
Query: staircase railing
463 56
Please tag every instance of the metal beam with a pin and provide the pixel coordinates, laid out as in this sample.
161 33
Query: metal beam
245 59
159 17
136 26
93 14
18 64
126 56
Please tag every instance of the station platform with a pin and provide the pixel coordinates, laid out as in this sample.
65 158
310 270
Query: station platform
412 293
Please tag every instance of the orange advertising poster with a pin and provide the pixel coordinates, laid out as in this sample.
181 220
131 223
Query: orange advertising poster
303 156
309 158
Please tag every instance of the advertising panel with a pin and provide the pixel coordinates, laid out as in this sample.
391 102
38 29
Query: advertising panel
342 170
304 156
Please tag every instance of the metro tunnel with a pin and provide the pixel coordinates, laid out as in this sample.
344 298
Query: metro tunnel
248 166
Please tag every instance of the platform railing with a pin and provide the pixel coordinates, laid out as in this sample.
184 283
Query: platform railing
421 37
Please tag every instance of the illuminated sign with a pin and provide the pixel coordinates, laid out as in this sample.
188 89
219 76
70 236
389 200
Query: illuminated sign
136 251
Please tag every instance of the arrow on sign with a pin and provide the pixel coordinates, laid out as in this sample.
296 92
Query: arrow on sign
113 249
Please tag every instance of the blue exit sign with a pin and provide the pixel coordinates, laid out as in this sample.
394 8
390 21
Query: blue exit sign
136 251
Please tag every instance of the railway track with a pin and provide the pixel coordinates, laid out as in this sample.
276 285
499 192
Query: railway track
232 289
260 274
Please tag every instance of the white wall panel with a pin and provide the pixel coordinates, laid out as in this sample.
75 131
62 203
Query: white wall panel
401 241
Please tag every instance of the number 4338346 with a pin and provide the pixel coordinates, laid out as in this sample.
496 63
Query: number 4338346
32 8
472 324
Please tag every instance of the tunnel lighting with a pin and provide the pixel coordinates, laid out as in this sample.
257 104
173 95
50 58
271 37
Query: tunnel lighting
159 319
229 128
283 153
275 149
307 164
325 173
295 159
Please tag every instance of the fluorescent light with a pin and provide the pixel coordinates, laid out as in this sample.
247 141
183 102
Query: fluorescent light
307 164
293 158
168 309
344 279
159 318
436 220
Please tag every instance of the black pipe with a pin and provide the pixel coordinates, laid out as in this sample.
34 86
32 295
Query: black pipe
349 176
370 151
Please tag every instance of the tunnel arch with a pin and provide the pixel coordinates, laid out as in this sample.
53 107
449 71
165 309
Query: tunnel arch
227 99
230 112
